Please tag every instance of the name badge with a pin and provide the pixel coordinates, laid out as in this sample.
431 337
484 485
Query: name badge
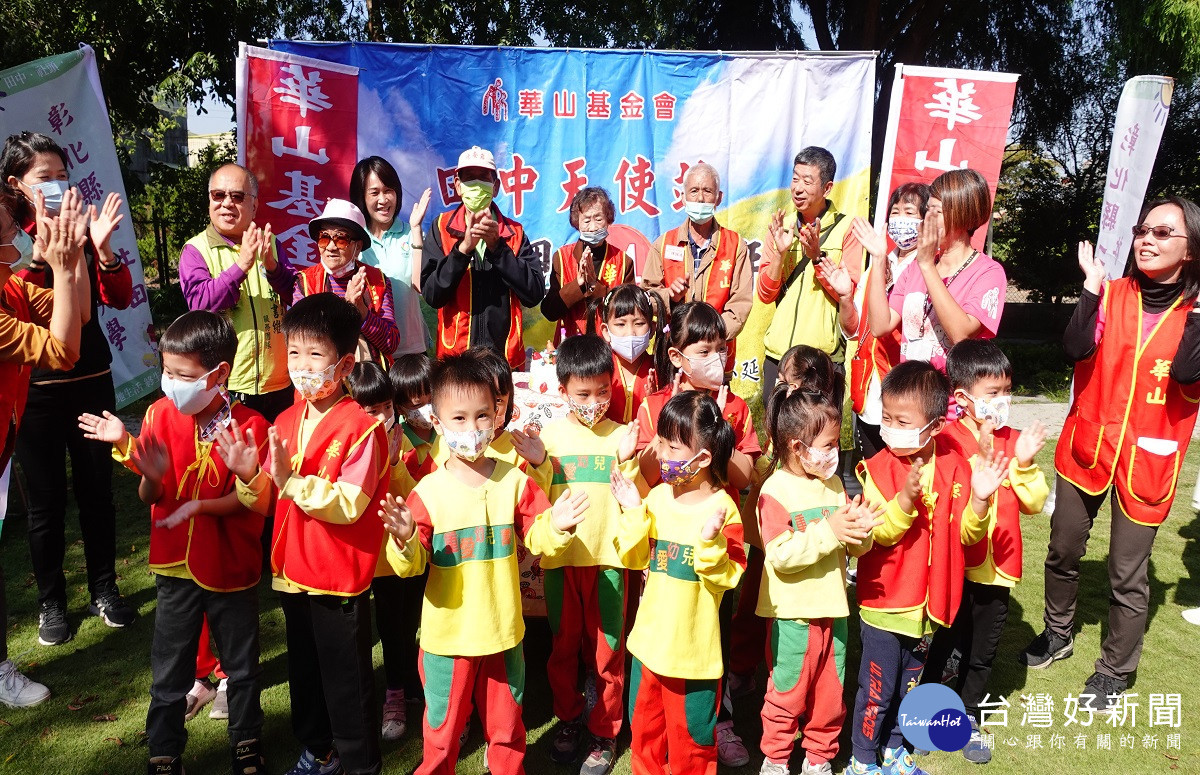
674 253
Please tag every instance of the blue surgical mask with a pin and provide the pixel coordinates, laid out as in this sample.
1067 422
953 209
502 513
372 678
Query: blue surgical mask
593 237
700 212
53 190
24 245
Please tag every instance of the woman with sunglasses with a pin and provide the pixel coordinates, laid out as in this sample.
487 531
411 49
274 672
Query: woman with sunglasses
341 234
1136 347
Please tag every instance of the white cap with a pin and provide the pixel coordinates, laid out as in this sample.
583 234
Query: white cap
339 212
476 157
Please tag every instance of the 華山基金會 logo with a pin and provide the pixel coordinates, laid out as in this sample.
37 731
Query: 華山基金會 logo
933 717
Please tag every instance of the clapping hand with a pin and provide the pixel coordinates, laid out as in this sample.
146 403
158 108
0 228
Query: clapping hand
108 428
624 490
397 519
568 510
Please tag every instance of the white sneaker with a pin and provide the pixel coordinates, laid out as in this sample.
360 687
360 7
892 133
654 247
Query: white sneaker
17 690
1192 615
808 768
771 768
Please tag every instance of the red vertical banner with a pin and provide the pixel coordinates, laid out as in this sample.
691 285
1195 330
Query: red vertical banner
297 130
942 119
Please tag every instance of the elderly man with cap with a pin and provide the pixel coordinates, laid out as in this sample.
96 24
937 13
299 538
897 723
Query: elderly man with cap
340 233
233 267
701 260
480 268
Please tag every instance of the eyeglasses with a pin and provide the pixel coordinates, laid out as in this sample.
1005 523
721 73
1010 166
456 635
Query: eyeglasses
1159 232
219 195
341 240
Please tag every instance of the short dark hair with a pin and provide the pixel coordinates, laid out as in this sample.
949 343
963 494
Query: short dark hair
816 156
325 317
811 368
369 384
203 335
410 376
921 381
797 414
464 371
974 359
694 321
693 418
496 365
20 149
386 174
630 298
966 200
586 198
583 356
917 193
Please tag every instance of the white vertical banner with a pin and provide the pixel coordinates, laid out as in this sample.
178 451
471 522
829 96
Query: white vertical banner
1141 118
60 96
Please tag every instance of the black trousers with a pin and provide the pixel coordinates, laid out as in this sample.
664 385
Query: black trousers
397 616
49 431
890 665
976 634
330 678
1128 576
233 620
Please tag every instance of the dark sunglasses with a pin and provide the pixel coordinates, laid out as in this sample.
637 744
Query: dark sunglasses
341 240
220 195
1159 232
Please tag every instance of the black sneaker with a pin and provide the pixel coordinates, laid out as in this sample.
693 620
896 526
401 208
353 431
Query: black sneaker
600 758
1046 649
53 627
112 608
162 765
568 737
248 759
1101 693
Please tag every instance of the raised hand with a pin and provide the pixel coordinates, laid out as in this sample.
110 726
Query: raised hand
186 511
624 490
419 209
628 446
102 224
108 428
677 383
397 519
987 438
678 288
529 446
869 515
713 526
264 255
928 242
722 397
779 236
1029 443
910 491
487 228
837 277
872 241
356 290
469 238
1094 273
988 476
238 450
845 525
810 239
60 237
250 247
568 510
281 461
150 457
587 272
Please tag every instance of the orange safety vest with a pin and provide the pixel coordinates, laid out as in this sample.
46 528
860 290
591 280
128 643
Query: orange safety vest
1003 543
14 376
313 280
227 554
1123 393
454 319
307 552
725 243
874 357
612 273
926 565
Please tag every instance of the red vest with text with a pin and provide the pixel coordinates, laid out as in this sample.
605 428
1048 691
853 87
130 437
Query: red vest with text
222 553
315 555
454 319
1003 541
612 273
720 275
1124 393
313 280
14 377
926 564
874 357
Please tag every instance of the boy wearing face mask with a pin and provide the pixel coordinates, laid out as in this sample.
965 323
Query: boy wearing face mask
981 377
479 267
910 575
585 585
409 376
464 521
204 544
326 466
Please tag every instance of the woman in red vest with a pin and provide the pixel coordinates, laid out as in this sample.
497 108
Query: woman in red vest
39 328
341 234
1136 346
584 271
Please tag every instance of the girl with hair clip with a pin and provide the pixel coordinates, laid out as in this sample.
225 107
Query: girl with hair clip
631 321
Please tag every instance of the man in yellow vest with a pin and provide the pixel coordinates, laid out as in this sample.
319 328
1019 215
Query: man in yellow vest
234 268
806 313
702 260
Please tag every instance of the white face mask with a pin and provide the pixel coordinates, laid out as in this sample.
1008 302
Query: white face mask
342 271
903 439
468 445
389 423
994 409
594 237
189 397
903 229
314 385
820 464
707 372
630 347
421 417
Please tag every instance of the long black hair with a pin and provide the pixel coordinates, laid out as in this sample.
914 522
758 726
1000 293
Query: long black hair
1191 266
387 176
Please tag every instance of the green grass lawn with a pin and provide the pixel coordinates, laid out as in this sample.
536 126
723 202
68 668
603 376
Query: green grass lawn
105 673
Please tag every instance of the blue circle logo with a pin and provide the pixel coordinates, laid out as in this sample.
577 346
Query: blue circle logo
933 717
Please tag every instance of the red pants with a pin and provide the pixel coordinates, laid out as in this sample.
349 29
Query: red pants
808 665
497 682
206 661
674 722
748 633
586 608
